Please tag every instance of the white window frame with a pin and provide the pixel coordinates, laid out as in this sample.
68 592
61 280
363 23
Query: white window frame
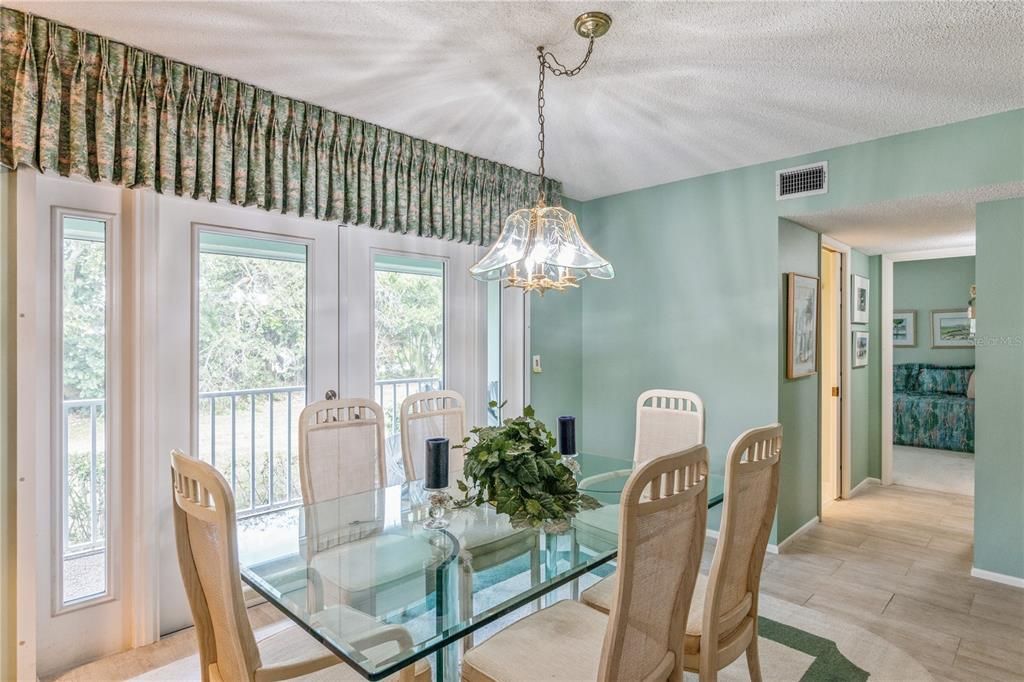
112 409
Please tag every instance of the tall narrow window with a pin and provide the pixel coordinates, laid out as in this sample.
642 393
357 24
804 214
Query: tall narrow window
494 352
409 334
252 356
84 431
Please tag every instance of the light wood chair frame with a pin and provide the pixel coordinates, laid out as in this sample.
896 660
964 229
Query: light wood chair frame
751 452
424 405
339 414
200 491
660 483
661 399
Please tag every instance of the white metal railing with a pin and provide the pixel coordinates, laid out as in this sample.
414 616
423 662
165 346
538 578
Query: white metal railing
252 415
240 434
84 488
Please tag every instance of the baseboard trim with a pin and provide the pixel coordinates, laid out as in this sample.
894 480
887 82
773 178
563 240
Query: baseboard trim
712 533
781 547
863 484
1011 580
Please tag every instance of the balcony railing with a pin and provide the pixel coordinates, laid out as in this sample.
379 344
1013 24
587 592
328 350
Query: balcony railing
250 435
84 482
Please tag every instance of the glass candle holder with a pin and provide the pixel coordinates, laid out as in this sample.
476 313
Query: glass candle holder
440 501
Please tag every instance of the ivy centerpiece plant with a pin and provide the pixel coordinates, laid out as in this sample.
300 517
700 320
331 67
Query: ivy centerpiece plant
516 469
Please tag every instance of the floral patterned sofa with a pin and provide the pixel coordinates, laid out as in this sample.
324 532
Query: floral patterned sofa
931 408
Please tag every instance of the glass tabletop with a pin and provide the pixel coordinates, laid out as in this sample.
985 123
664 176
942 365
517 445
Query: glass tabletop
364 577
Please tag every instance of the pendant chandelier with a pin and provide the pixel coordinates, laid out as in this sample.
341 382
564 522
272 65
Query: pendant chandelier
541 248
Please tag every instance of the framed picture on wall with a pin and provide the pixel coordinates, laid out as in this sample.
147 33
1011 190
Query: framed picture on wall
904 328
860 349
952 329
802 326
860 293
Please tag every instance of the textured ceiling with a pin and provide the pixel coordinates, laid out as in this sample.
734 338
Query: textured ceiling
675 90
920 224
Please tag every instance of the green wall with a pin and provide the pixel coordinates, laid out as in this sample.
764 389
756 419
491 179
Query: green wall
865 382
874 372
695 300
799 252
924 286
693 306
999 405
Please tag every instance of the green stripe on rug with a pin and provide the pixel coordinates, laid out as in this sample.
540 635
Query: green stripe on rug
829 663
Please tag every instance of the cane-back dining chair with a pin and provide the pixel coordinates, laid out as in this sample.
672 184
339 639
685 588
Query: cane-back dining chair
207 543
666 421
723 616
341 453
661 537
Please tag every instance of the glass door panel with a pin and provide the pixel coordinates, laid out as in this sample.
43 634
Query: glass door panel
409 338
252 305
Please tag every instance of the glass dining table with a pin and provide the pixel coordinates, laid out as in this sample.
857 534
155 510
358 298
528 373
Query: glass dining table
348 569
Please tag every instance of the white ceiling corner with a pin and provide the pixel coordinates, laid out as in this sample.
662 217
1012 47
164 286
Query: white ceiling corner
675 90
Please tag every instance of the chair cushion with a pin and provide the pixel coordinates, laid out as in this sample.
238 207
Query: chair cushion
561 642
601 595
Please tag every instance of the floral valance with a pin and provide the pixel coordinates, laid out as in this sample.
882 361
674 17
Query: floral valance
81 105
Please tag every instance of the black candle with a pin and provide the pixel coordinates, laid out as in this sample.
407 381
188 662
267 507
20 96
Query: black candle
437 464
567 435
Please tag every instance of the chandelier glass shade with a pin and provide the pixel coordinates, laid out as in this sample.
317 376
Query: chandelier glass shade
541 248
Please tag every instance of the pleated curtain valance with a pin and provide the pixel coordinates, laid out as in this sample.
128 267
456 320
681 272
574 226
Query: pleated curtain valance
81 105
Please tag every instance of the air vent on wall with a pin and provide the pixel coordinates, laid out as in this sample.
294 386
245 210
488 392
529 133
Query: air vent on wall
802 181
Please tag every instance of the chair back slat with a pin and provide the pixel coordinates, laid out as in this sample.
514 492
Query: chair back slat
667 421
751 494
204 525
661 537
432 414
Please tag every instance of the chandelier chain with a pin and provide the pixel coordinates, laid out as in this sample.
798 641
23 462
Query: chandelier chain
548 62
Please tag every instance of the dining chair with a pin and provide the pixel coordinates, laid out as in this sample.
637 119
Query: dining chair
433 414
666 421
723 615
661 537
341 448
207 542
341 453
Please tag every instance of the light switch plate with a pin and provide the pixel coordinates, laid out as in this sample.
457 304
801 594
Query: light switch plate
536 365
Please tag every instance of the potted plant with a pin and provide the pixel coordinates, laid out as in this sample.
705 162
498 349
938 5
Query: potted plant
516 469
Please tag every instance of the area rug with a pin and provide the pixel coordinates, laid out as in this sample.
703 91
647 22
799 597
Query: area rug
796 643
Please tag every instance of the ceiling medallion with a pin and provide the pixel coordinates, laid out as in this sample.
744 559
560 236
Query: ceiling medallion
541 248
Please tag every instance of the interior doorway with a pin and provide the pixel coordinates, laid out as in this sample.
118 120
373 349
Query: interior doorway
831 375
928 351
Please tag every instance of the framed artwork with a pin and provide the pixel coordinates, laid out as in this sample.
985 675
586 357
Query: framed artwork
860 349
952 329
904 328
802 326
860 295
